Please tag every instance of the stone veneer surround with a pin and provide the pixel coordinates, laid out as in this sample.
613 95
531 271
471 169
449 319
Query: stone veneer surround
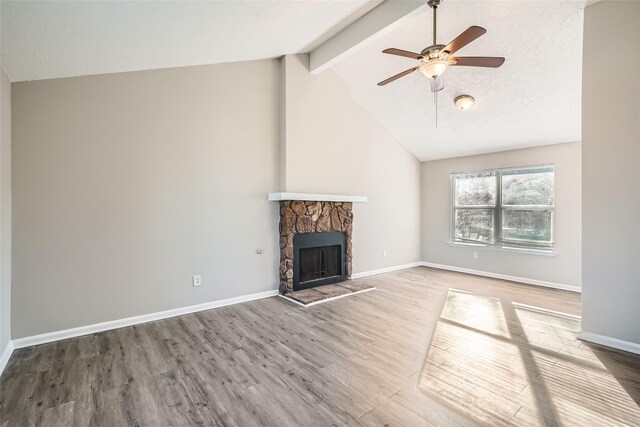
298 216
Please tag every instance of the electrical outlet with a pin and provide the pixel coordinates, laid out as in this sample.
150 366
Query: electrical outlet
475 255
197 280
384 253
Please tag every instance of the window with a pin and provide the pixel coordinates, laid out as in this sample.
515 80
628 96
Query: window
504 207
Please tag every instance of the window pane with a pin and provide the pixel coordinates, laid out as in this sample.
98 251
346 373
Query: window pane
475 189
474 224
527 225
529 186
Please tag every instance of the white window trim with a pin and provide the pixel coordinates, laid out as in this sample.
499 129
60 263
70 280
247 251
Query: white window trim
501 245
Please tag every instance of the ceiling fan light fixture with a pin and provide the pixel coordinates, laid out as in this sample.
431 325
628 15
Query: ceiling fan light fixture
434 68
464 102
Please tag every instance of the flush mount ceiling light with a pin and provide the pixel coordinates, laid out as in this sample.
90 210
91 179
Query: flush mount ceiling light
463 102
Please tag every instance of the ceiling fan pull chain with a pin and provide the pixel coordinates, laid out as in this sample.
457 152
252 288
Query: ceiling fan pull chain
435 102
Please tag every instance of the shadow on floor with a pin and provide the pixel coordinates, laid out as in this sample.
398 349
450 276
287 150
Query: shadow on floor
625 367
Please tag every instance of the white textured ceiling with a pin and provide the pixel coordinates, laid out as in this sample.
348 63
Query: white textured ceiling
533 99
49 39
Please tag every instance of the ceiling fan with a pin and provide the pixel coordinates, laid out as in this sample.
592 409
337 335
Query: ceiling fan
437 58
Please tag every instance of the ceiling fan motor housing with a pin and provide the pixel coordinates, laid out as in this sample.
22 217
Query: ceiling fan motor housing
432 52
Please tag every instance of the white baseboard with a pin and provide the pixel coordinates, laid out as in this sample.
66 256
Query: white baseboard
385 270
4 357
616 343
536 282
120 323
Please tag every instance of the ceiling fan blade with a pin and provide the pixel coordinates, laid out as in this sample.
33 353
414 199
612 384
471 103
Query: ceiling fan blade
397 76
469 35
405 53
479 61
437 84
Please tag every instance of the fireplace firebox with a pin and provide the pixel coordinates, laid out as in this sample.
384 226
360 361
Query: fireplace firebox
318 259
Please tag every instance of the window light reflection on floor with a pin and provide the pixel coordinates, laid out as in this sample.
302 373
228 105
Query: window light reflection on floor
497 360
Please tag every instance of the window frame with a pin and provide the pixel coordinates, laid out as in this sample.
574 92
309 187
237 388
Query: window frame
499 242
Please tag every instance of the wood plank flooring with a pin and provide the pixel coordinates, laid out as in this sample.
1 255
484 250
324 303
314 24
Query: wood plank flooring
351 361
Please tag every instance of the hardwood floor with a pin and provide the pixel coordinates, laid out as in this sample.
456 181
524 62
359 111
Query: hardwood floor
358 360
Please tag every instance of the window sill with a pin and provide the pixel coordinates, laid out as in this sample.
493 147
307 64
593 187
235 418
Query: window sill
528 251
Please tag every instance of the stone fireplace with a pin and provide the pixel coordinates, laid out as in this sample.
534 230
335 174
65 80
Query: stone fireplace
315 243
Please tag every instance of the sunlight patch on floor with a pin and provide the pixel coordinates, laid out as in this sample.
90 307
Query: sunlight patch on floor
504 363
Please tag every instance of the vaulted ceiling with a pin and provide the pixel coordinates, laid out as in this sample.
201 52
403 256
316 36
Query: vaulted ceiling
48 39
533 99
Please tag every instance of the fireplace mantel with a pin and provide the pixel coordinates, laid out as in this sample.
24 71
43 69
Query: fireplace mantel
278 197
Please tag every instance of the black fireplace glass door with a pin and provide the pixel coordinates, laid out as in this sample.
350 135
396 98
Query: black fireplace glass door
318 259
319 263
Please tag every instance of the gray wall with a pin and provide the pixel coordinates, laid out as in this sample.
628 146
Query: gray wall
611 190
564 268
126 185
334 146
5 211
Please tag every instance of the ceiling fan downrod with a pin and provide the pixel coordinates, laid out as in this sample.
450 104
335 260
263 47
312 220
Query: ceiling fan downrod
433 4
